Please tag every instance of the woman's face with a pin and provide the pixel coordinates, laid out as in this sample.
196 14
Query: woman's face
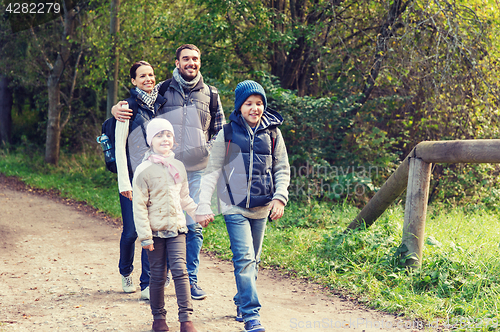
144 78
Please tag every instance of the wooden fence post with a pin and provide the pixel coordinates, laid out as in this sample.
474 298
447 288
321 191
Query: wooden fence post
417 195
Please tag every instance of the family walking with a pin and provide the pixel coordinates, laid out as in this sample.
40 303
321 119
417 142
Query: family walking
187 151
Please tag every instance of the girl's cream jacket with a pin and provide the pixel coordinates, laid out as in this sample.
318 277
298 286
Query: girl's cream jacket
158 202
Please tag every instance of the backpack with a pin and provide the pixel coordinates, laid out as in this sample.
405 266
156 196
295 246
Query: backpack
228 137
108 146
109 126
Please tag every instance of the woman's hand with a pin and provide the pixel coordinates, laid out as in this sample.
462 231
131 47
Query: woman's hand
277 209
150 247
127 194
121 113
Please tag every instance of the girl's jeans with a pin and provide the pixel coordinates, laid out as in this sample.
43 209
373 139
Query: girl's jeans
174 249
127 245
246 236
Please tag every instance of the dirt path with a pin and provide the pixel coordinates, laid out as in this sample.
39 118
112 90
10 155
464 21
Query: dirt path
58 271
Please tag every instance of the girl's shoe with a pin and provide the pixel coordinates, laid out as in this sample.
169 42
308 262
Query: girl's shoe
160 325
187 327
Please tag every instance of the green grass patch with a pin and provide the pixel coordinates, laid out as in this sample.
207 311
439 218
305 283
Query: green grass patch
459 281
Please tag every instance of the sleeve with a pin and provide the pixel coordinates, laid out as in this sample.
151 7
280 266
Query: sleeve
121 134
187 203
211 175
219 122
281 170
140 208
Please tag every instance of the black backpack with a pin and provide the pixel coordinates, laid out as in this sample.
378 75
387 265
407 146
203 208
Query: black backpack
109 126
108 129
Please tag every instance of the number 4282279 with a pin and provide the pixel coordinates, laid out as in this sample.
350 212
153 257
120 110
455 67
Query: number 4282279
33 8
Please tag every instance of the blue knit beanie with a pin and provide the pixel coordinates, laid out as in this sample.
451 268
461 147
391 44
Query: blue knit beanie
244 90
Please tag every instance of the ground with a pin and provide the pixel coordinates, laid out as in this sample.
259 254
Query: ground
59 271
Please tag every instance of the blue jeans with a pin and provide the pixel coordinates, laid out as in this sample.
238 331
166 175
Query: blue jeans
127 245
246 236
194 239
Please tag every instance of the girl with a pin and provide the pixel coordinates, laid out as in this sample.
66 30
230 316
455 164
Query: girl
160 195
145 101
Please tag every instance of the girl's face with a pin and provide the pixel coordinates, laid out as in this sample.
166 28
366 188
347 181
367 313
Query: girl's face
252 110
144 78
163 142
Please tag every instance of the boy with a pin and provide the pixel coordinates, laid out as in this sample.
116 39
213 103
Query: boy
252 173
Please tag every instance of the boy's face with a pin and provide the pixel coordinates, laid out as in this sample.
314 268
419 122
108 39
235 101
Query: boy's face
189 64
163 142
144 78
252 110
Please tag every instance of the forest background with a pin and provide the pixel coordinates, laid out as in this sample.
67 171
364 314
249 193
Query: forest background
359 83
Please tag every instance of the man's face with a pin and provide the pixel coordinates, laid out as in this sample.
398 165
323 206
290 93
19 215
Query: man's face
189 64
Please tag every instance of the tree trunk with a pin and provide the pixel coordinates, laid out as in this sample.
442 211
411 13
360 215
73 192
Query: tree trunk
5 110
114 60
52 142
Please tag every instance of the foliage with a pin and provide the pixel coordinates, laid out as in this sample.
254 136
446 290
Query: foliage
82 177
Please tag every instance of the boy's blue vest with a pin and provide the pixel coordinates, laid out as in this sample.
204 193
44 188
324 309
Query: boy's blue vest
251 185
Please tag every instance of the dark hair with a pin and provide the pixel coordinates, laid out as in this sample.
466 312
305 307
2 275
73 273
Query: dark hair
186 47
136 65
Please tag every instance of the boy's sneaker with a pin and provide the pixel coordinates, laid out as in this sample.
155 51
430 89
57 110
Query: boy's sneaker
254 326
128 284
239 315
145 293
169 279
197 293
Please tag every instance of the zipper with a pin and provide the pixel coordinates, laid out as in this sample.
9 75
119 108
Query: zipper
250 170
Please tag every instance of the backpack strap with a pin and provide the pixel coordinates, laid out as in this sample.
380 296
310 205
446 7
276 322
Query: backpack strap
164 87
213 107
228 137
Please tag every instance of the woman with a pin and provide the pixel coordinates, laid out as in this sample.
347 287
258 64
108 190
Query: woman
145 102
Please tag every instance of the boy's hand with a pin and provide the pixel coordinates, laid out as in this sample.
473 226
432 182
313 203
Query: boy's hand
127 194
150 247
121 113
277 209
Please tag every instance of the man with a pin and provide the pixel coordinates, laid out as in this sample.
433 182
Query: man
188 109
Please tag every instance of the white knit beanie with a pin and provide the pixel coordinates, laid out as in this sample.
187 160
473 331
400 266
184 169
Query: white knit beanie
157 125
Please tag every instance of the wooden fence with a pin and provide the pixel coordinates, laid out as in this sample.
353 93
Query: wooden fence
414 175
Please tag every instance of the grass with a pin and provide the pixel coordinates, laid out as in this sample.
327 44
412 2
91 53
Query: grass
458 284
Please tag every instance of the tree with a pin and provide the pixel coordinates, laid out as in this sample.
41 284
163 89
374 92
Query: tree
114 60
5 110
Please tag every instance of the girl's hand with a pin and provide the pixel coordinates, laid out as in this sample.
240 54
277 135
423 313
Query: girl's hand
127 194
150 247
204 220
277 209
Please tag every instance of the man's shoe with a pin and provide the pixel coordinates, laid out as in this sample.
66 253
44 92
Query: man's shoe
145 293
169 279
128 284
254 326
197 293
187 327
239 315
160 325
